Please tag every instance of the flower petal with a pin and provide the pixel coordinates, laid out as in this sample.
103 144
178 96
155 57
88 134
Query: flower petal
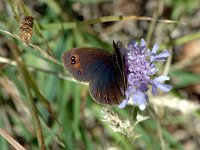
123 104
155 48
143 43
153 71
152 58
161 56
140 99
161 78
164 53
154 89
163 87
131 43
142 107
144 87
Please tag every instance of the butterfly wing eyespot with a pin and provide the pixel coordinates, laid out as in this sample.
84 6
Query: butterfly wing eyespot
73 60
79 72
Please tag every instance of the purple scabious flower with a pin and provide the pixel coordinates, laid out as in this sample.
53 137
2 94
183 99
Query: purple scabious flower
140 72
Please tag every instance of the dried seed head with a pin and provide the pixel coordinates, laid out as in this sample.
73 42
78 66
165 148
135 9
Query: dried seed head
122 126
26 29
118 125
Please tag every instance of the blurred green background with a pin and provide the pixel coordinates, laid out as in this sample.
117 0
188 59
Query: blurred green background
42 108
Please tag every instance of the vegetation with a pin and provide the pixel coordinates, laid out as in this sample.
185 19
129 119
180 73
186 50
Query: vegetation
43 107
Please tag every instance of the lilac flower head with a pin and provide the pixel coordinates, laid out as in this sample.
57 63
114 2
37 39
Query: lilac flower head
141 70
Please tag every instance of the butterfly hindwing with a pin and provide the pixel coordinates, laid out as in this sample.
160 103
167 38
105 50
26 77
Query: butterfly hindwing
106 88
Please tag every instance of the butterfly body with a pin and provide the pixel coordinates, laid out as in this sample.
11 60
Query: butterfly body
103 70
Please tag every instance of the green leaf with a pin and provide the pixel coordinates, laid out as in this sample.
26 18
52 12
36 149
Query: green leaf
182 78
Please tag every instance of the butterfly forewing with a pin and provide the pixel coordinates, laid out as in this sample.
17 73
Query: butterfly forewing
85 63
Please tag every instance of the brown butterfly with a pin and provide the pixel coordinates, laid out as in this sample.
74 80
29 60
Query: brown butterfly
103 70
